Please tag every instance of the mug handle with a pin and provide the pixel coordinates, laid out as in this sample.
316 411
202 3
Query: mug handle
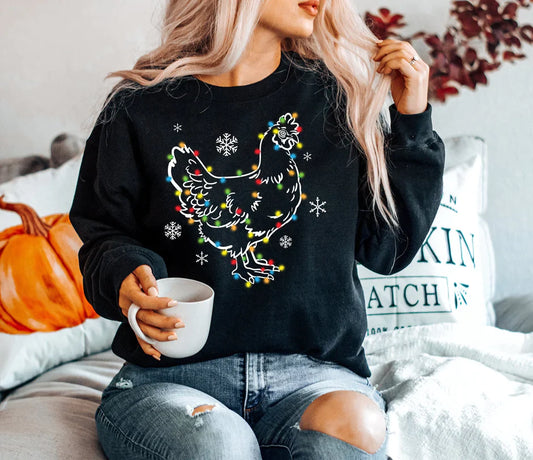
132 318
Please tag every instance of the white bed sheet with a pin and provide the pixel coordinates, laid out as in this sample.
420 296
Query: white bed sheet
454 392
52 416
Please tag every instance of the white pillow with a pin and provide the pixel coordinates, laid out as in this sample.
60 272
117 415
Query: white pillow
25 356
451 279
49 191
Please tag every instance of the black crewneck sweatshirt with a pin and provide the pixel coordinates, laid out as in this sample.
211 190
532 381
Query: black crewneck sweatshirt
253 190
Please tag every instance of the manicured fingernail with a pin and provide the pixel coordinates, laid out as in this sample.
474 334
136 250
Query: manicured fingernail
156 357
172 303
172 337
152 291
177 325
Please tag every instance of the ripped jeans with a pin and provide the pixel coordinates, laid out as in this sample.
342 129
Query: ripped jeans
246 406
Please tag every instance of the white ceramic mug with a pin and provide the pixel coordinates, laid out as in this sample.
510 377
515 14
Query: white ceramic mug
195 307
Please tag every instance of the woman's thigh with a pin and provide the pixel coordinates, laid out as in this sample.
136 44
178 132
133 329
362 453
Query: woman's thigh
166 420
279 427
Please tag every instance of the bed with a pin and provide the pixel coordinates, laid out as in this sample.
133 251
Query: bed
458 381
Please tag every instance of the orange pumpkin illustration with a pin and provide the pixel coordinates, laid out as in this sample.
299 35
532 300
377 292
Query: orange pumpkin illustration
41 286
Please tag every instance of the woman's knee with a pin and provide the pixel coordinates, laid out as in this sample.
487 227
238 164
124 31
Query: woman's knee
347 415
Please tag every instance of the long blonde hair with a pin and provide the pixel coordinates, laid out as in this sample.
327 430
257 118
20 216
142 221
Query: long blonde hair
208 37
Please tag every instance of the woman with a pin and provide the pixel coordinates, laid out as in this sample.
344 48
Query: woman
249 151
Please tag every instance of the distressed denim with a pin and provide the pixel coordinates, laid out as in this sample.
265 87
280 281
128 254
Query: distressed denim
252 406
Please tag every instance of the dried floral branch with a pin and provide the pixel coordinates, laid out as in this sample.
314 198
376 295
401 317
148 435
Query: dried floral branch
480 36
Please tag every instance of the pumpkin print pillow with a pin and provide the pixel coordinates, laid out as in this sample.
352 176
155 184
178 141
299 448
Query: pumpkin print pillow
45 319
42 287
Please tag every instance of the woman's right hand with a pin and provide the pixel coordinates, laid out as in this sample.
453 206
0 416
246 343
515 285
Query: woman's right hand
140 288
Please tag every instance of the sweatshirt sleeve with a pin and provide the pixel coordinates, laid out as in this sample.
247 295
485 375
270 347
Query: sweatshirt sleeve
415 155
105 213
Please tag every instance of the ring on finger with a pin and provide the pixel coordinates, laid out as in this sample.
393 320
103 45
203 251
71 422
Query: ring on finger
413 60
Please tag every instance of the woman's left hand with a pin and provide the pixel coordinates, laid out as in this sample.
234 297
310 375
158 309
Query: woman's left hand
409 85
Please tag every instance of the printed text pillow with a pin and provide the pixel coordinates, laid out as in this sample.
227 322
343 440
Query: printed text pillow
451 279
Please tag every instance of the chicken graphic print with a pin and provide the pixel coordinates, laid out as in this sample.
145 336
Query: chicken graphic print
236 213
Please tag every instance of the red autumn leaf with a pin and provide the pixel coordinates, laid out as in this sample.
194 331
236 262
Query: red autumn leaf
479 77
510 56
526 32
470 56
510 10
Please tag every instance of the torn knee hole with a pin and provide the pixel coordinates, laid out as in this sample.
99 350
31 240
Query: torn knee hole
201 409
124 383
352 419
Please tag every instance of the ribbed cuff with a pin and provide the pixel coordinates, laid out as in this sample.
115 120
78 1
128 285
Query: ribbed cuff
409 129
123 264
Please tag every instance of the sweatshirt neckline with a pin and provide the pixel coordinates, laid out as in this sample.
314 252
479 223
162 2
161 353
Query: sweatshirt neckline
263 87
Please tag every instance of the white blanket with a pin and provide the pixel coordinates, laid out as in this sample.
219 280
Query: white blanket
455 392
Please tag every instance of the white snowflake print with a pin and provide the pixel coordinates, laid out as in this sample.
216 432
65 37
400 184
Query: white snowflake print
201 258
227 144
285 241
317 206
177 127
173 230
307 156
